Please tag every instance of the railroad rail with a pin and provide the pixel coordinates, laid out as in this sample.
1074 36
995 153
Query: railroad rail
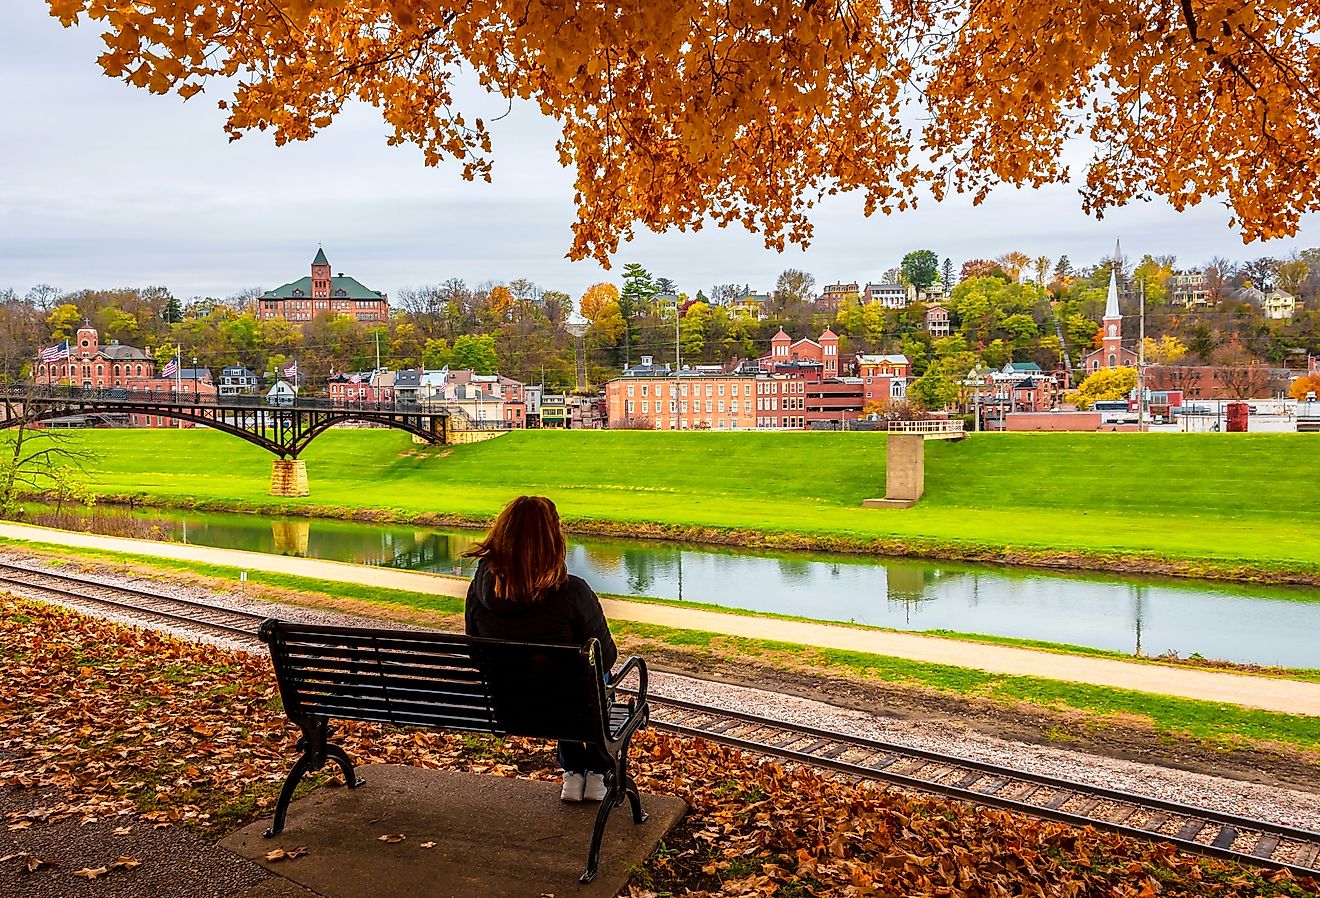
1195 829
143 606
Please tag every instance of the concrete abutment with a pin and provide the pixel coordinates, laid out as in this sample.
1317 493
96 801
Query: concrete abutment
905 471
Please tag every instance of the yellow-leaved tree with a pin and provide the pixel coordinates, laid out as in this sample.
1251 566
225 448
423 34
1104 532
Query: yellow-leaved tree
1106 383
597 298
676 113
1164 351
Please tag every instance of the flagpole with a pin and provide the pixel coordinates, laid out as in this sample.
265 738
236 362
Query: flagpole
178 377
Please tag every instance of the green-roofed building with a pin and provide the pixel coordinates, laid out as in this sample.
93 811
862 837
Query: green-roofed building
323 292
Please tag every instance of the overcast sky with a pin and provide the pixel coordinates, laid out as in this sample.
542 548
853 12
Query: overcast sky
105 185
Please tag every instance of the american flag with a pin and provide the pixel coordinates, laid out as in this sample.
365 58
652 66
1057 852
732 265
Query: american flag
55 353
291 370
355 378
171 368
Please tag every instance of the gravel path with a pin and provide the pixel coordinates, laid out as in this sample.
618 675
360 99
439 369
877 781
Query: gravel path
1270 803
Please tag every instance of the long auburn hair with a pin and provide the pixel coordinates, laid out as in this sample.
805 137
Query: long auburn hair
525 550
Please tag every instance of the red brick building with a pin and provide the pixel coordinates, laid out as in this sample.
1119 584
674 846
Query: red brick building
365 387
795 387
304 299
115 365
824 350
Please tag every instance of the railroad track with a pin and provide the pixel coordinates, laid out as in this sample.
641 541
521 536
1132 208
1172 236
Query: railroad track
1199 830
144 606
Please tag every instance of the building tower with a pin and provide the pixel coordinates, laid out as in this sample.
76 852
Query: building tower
829 348
320 275
779 344
88 341
1112 338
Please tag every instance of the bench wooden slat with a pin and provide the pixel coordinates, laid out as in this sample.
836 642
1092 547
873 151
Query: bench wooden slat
397 679
401 698
398 698
375 654
402 716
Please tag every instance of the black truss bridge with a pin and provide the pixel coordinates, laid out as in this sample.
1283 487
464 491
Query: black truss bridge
283 428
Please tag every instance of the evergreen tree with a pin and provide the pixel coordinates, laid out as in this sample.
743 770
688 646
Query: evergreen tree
946 275
173 311
638 288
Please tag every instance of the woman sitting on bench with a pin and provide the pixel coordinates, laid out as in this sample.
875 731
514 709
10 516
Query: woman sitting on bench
522 591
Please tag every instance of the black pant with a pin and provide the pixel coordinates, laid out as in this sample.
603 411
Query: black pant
579 757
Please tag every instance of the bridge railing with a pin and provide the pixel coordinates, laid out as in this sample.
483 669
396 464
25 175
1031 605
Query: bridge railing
183 399
64 393
934 426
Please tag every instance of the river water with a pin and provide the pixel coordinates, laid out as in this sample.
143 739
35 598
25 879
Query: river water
1233 622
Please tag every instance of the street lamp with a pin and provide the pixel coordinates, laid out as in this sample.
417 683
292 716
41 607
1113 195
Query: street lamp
194 379
577 326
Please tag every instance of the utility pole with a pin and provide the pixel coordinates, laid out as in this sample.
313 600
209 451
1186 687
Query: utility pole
678 357
378 350
1141 362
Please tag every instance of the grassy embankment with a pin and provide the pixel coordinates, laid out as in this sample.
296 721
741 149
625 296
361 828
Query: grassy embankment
1222 726
1234 507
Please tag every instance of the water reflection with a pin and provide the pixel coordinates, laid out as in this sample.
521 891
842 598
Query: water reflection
1233 622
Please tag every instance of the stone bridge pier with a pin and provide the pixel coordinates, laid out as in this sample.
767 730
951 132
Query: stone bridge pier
288 478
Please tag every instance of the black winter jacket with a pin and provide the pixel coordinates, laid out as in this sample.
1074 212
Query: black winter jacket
569 615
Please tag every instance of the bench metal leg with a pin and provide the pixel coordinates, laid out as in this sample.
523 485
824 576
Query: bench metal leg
300 769
316 750
612 801
621 786
346 765
635 799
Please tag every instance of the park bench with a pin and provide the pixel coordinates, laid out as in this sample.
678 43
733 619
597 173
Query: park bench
453 682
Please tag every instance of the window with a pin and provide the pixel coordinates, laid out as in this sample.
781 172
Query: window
646 407
710 391
721 407
747 406
684 406
632 390
298 293
721 391
341 292
1113 330
708 408
1113 363
643 389
630 406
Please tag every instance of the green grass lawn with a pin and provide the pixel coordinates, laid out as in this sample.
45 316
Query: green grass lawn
1218 498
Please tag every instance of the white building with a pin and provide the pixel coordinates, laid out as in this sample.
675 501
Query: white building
891 296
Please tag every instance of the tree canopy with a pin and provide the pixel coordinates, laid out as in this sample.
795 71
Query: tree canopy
680 112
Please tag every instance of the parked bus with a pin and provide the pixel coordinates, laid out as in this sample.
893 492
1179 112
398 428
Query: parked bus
1114 411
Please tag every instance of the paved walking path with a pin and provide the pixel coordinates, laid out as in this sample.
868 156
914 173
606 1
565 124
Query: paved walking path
1288 696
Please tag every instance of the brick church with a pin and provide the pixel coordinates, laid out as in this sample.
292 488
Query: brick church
323 292
1111 353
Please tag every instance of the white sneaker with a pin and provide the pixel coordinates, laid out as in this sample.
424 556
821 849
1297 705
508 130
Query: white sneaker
594 787
573 786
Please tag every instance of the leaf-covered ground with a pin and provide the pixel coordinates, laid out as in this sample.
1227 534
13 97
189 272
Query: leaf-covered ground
125 721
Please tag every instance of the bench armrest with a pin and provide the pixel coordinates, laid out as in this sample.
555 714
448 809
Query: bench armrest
634 663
